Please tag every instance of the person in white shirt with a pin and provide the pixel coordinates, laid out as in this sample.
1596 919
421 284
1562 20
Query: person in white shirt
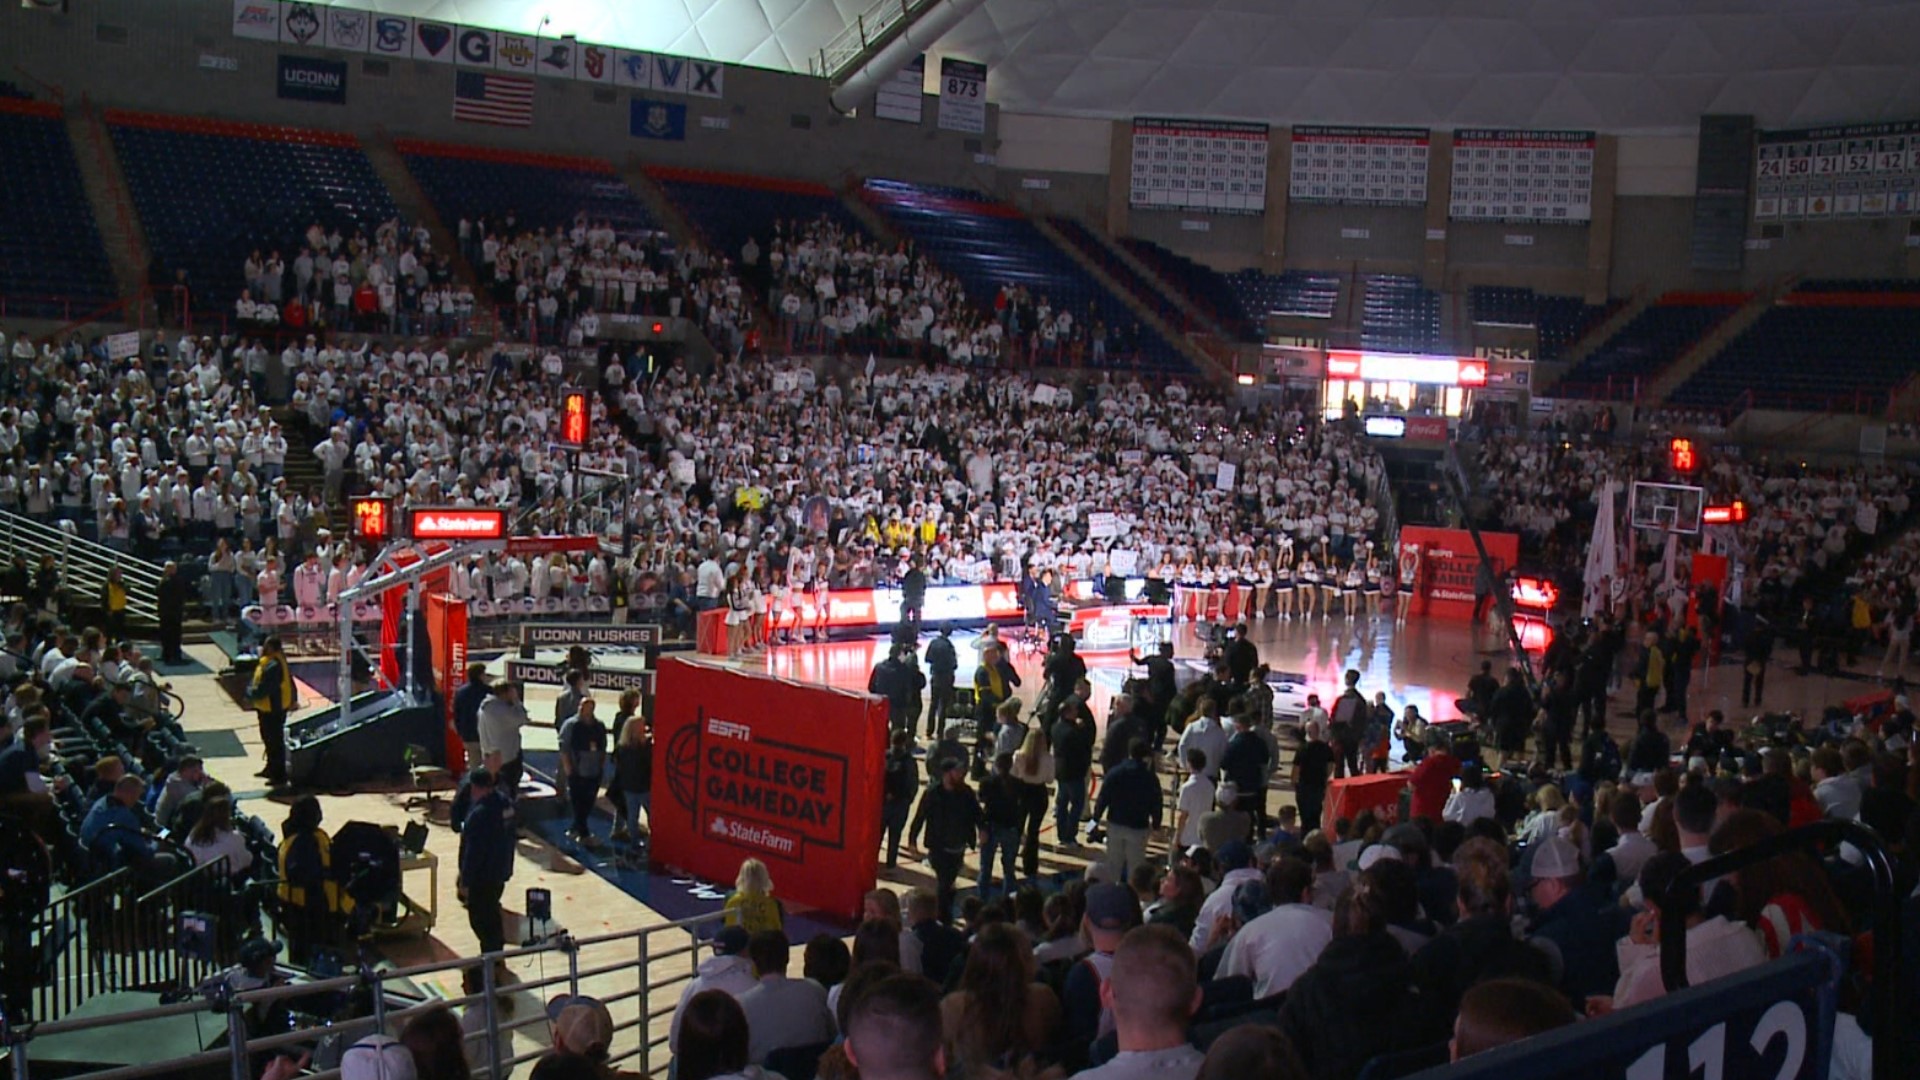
728 970
1236 860
1152 990
782 1012
1207 736
1276 947
1196 798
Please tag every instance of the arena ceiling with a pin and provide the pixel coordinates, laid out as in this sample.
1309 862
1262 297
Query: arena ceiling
1612 65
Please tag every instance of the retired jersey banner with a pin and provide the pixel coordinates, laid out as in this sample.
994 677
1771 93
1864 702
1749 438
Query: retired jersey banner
1866 170
1445 566
751 766
1522 176
1359 166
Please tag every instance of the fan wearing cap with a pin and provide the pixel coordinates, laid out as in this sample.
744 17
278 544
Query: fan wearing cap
728 970
1573 925
1276 947
582 1028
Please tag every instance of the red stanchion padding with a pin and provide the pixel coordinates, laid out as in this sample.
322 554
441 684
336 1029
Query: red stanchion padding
710 632
751 766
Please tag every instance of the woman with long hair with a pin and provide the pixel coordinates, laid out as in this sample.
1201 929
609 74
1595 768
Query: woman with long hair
752 904
435 1040
999 1018
633 768
213 837
1032 772
1181 894
739 612
1780 897
713 1039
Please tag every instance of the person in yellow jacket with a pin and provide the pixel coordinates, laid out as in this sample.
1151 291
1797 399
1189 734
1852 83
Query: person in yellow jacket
1650 674
311 900
271 695
752 906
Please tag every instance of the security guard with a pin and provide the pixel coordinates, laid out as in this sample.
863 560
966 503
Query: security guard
311 900
486 858
272 696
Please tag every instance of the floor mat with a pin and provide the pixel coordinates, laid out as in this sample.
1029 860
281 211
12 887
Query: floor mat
219 743
188 666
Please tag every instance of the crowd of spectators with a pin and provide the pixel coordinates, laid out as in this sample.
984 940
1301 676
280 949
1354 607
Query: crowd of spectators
391 282
834 289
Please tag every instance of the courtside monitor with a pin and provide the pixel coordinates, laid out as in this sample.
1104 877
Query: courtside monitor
1675 508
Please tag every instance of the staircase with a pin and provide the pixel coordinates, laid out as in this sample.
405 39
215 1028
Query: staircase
304 471
83 565
1201 361
106 190
664 211
412 202
1602 332
870 219
1194 313
1704 350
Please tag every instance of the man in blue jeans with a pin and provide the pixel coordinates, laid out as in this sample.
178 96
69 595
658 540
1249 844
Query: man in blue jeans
1072 761
1001 804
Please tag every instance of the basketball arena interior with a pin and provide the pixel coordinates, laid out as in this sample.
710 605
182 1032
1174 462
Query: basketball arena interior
899 539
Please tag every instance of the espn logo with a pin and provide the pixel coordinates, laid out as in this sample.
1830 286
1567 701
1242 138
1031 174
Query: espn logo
727 729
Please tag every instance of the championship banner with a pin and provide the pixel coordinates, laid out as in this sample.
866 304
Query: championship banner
1447 566
447 634
1865 170
1520 177
750 766
1198 165
1359 166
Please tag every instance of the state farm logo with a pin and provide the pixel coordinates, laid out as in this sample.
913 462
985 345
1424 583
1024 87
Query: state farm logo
751 835
458 524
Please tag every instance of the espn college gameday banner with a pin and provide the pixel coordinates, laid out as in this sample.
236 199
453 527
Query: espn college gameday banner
1522 176
1198 165
1360 166
1867 170
1447 565
750 766
447 633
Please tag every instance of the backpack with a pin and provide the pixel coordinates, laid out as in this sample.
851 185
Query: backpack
901 782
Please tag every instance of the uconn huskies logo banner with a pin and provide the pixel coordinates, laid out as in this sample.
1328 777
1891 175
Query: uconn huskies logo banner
303 78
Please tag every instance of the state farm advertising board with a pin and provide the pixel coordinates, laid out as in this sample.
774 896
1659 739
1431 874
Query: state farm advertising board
1444 563
881 607
751 766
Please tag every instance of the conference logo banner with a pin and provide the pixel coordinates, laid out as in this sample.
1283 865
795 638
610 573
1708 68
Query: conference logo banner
354 29
258 20
306 78
756 766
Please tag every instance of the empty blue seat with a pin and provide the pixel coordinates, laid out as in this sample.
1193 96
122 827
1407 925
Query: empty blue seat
52 261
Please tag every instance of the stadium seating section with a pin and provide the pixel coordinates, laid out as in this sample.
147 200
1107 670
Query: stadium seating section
988 244
728 208
1648 343
540 190
1560 320
1842 346
50 251
1097 252
1401 315
1302 294
1209 289
210 192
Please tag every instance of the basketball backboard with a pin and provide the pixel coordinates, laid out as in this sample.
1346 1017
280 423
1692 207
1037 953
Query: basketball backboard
1671 508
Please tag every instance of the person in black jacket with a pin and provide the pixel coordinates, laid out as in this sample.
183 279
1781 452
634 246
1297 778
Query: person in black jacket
1651 750
1757 647
1356 999
173 613
1242 656
1512 716
1064 669
913 596
486 859
1162 685
902 783
1072 761
899 682
1132 802
1004 807
1244 765
941 946
1481 944
951 815
466 711
941 664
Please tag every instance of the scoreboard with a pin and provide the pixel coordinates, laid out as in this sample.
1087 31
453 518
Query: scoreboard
1360 166
1205 165
1522 176
1865 170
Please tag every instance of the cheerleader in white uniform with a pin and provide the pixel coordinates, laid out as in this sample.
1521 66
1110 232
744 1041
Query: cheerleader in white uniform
1307 585
780 595
1370 588
1283 589
1262 581
1351 586
1389 590
822 574
1186 591
1219 586
1409 577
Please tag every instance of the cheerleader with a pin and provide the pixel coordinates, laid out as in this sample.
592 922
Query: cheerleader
1168 579
1370 588
1262 576
1186 591
1307 584
1409 576
822 574
1389 589
1283 585
1350 587
1329 579
756 609
1219 586
739 612
781 601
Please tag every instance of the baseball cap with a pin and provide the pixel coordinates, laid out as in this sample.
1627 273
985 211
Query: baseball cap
1555 858
377 1057
1112 907
948 764
731 940
1234 855
1381 852
584 1028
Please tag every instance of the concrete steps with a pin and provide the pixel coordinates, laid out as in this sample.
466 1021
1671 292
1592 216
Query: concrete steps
1662 385
108 196
1201 361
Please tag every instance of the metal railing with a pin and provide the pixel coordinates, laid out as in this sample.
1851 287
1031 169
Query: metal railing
867 28
637 974
83 564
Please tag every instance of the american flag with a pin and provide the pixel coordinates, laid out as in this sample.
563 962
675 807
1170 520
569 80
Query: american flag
493 99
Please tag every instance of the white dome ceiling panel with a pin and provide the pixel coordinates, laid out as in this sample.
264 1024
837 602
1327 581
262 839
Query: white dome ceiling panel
1790 62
